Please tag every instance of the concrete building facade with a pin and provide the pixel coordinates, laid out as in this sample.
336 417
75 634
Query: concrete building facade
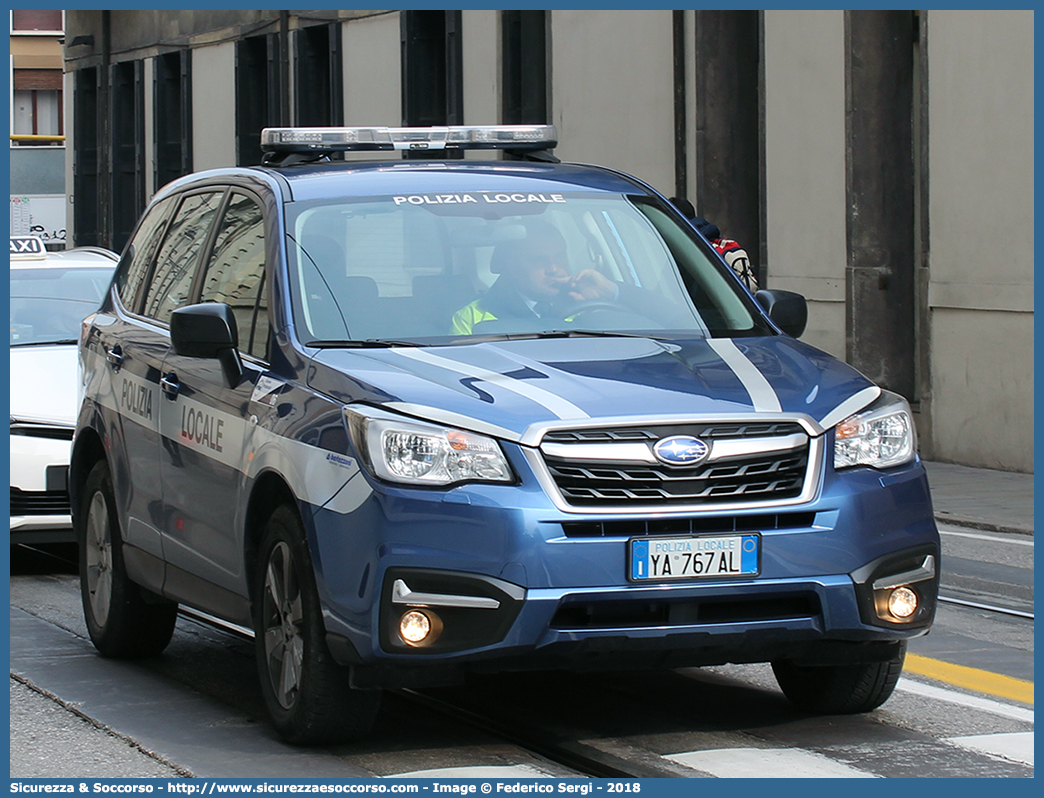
879 162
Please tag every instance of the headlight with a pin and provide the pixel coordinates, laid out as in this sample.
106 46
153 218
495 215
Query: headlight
401 450
881 436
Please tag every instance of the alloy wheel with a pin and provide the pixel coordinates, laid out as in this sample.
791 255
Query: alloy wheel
283 615
99 558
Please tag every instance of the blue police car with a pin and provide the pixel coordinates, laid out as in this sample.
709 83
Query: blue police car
412 419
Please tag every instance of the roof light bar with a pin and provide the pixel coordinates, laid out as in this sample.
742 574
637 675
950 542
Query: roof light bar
477 137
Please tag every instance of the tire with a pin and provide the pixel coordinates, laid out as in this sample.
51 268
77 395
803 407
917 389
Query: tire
123 619
840 689
307 694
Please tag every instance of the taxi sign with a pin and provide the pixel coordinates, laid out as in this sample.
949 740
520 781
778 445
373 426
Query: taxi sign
27 248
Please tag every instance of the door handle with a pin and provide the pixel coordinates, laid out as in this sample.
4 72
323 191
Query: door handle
115 358
170 385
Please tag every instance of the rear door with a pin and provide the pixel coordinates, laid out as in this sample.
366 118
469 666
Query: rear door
121 369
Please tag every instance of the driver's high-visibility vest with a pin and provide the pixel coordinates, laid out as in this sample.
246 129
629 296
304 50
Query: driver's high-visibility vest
465 319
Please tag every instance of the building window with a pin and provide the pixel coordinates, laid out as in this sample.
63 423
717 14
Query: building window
128 149
318 83
257 94
524 67
36 22
173 116
37 107
432 78
87 157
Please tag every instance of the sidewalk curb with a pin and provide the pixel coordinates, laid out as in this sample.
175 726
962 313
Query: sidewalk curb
986 526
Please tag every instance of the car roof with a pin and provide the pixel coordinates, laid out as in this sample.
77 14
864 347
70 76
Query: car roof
79 257
334 179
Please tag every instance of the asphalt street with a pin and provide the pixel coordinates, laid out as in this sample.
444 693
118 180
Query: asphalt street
52 738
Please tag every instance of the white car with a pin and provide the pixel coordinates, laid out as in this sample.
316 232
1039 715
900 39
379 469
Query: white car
51 294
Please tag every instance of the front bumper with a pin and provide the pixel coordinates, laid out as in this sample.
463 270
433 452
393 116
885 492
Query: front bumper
561 587
39 491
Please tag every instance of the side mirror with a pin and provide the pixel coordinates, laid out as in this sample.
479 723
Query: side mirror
205 331
788 310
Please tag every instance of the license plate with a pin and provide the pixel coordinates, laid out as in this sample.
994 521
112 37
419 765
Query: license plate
694 557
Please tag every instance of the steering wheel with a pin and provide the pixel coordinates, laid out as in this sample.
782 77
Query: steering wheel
593 306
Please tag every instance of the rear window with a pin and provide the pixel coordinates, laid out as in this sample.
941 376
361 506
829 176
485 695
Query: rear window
443 267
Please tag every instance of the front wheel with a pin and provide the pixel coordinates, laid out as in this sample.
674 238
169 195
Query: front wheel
840 689
123 619
306 692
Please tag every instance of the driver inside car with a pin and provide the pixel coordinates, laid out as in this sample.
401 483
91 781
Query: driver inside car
534 282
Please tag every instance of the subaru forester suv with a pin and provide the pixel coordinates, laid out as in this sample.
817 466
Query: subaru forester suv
410 419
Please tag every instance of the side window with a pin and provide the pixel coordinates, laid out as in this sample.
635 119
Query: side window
236 273
179 256
138 258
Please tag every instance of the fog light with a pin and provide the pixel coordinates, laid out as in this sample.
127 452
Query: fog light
902 602
414 626
419 627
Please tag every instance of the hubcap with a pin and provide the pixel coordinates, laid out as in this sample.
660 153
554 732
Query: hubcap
99 558
282 616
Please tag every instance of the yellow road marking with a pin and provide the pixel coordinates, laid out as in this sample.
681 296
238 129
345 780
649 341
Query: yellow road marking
971 678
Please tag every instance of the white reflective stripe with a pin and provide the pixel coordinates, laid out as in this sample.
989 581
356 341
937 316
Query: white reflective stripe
203 429
761 392
451 419
131 397
852 404
316 476
556 404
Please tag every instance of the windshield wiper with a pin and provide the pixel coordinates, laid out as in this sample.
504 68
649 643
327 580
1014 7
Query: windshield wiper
369 343
60 342
594 334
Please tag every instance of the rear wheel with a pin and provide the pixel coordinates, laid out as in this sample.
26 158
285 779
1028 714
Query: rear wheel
840 689
306 692
123 619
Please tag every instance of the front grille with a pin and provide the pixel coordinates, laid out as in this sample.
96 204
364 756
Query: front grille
52 432
637 613
749 478
39 502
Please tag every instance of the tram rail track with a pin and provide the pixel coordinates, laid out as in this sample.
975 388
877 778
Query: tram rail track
977 605
572 754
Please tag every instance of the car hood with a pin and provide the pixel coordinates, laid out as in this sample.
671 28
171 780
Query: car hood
509 388
43 383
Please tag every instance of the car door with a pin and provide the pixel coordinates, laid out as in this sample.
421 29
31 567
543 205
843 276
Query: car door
120 364
206 422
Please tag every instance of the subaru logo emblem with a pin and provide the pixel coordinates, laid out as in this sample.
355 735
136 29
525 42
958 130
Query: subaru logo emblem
681 450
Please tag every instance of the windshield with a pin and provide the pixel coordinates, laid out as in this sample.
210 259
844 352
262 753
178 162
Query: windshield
47 305
454 268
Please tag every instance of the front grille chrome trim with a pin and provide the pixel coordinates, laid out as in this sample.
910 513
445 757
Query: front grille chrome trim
810 488
642 452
